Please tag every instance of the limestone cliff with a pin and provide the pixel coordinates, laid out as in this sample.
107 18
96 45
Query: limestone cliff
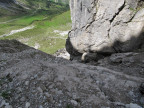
106 26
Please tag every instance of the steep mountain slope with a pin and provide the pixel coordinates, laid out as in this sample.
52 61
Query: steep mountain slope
12 7
9 7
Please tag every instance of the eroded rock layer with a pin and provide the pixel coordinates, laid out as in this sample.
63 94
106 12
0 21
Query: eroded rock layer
106 26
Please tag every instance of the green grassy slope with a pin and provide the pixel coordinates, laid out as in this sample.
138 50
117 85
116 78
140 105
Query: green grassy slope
10 7
46 21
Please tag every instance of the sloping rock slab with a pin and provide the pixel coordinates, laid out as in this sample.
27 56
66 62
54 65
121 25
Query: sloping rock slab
32 79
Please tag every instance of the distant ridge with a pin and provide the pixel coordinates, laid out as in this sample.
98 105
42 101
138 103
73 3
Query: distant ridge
12 7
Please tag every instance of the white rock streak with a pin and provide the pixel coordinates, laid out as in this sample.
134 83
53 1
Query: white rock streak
17 31
62 33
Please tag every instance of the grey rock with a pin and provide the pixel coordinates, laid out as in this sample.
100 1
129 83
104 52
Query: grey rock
27 105
2 103
120 57
8 106
40 90
131 105
105 26
74 102
23 99
47 94
27 83
40 106
63 54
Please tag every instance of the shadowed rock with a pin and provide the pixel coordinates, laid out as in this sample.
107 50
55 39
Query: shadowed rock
142 88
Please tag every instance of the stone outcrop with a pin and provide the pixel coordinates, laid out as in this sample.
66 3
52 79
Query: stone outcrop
105 26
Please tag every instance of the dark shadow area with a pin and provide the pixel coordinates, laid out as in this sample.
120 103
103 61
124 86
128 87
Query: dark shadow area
135 44
22 52
12 46
7 1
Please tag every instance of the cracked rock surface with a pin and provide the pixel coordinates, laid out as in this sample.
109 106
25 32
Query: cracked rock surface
30 78
106 26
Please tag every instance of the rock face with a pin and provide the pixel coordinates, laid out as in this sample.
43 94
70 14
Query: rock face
106 26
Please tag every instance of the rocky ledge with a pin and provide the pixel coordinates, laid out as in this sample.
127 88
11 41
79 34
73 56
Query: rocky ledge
30 78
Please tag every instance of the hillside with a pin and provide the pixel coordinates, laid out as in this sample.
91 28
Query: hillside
12 7
44 28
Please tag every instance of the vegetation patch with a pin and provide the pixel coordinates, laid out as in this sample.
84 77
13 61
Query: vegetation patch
56 17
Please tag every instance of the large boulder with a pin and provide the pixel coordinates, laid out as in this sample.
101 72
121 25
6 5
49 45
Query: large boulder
105 26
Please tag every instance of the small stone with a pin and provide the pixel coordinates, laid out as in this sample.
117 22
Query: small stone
51 86
8 106
48 95
27 105
2 103
36 76
40 90
116 58
43 87
27 83
23 99
40 106
19 89
131 105
59 105
74 102
58 92
32 78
